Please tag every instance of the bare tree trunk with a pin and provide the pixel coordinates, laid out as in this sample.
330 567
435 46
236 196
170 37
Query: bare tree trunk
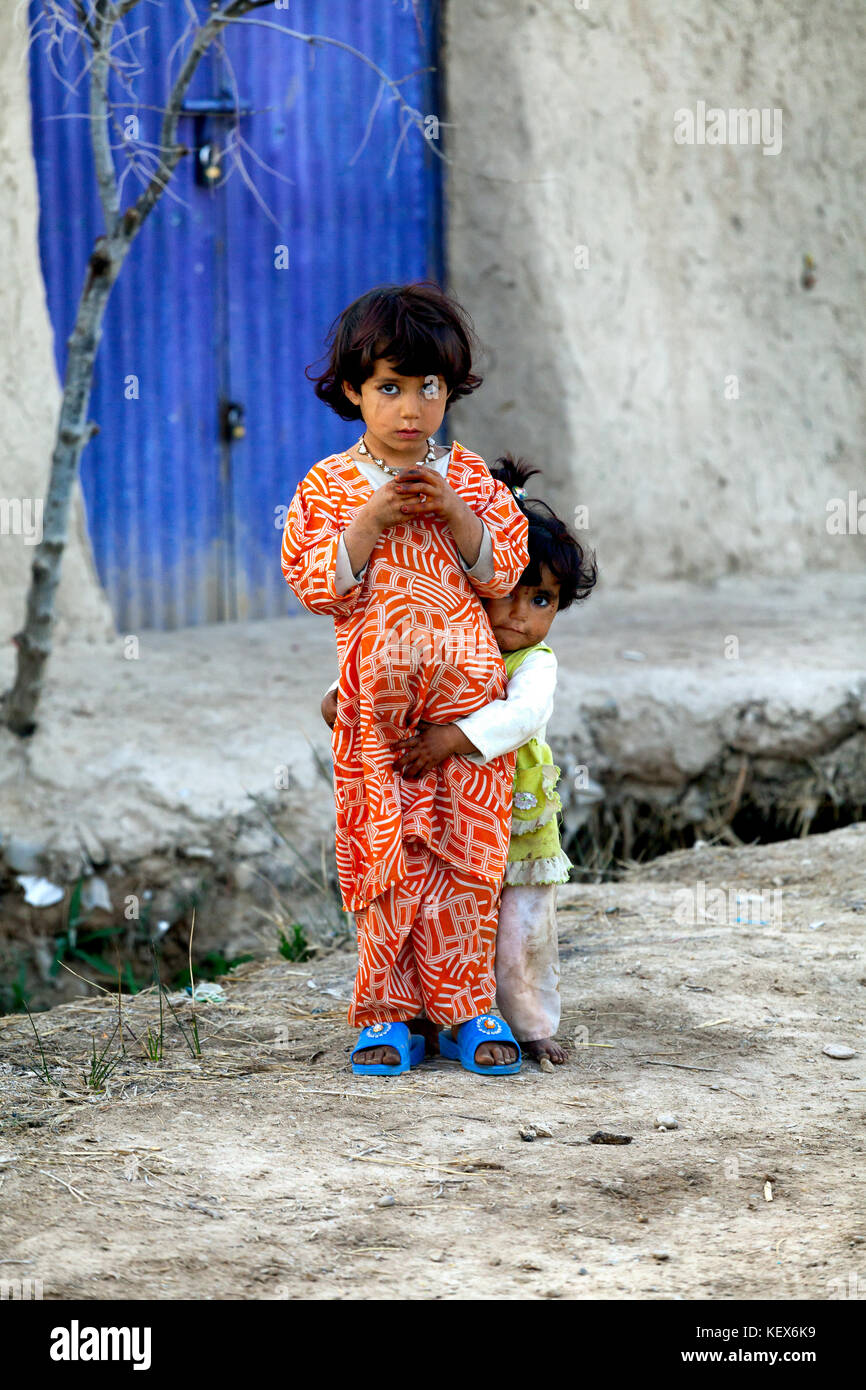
34 641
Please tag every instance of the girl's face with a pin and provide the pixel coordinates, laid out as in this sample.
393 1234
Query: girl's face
525 615
399 411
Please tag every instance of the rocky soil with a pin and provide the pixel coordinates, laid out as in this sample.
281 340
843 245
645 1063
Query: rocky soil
266 1170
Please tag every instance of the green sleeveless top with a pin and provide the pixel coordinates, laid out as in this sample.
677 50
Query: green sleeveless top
535 856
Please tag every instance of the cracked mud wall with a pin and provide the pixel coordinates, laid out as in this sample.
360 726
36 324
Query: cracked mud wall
28 376
613 376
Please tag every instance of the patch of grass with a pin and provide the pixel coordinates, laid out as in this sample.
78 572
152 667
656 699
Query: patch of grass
152 1043
101 1065
88 944
295 947
41 1071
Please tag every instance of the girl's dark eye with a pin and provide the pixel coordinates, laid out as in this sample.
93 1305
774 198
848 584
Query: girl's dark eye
389 386
541 601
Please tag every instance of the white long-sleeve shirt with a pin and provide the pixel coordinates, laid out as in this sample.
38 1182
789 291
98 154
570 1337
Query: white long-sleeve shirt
345 579
503 726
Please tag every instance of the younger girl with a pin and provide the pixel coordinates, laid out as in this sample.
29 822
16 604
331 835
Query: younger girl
527 957
397 539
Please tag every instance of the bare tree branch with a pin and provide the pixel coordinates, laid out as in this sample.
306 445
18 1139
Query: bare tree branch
97 21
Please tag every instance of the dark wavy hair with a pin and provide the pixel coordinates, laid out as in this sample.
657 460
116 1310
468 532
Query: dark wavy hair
550 541
418 327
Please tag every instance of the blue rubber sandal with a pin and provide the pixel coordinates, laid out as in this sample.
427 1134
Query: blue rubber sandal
486 1028
396 1035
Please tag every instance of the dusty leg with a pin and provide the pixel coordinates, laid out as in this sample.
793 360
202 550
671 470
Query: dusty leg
527 968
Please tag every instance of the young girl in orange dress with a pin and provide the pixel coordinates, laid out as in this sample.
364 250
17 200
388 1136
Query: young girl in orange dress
399 540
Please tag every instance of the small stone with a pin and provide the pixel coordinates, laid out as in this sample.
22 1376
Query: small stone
387 1201
528 1133
583 1270
667 1122
542 1131
660 1255
438 1256
643 1219
546 1064
839 1050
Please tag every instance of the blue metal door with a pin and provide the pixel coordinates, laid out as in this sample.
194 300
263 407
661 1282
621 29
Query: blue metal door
206 419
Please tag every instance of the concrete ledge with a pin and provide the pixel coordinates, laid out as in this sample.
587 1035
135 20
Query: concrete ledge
660 687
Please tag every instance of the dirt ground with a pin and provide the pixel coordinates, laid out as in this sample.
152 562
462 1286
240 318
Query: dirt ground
266 1170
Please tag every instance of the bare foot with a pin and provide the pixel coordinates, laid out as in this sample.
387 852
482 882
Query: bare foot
377 1057
490 1054
546 1047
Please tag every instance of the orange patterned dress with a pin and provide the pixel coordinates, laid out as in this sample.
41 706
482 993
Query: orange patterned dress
414 642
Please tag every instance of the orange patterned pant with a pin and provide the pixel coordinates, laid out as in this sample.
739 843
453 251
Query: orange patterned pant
426 946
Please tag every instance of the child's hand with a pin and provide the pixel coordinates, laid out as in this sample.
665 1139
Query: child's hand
428 747
388 506
426 493
329 708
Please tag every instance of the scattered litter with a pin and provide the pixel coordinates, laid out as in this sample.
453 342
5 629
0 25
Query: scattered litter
768 1192
603 1136
667 1122
839 1050
387 1200
94 894
195 852
633 655
813 926
528 1133
207 993
40 892
715 1023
